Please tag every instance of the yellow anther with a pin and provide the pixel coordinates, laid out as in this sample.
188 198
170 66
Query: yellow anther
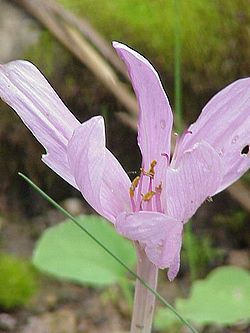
153 163
148 196
152 168
131 192
133 186
135 182
151 171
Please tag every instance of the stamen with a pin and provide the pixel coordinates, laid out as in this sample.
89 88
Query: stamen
132 200
133 186
135 182
139 190
151 171
158 190
148 196
140 201
149 203
152 168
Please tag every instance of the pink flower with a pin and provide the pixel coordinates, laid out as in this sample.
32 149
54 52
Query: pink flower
209 156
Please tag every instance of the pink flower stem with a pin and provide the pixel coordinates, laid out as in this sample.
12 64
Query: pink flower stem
144 300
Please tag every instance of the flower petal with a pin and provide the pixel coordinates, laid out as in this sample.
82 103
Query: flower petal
225 124
98 174
155 116
174 267
194 177
159 234
26 90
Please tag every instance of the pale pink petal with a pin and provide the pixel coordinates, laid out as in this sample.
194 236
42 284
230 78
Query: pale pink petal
98 174
174 267
155 116
159 234
190 180
225 124
25 89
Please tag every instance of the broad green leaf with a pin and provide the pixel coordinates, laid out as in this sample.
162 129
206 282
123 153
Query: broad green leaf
223 298
65 252
165 319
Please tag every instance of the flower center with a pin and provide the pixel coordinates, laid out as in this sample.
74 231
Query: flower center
144 195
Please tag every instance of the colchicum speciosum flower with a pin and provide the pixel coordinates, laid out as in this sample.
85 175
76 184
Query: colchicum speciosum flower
210 155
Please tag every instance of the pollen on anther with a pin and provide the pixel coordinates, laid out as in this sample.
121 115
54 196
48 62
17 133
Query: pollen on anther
151 171
131 192
133 186
135 182
148 196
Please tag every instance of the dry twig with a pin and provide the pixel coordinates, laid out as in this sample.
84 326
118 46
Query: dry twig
91 34
78 45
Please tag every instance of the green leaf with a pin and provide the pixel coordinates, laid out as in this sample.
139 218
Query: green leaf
66 253
222 298
165 319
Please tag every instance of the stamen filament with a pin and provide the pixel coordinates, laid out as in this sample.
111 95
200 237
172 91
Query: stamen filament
151 171
132 188
140 201
139 190
132 200
148 196
158 190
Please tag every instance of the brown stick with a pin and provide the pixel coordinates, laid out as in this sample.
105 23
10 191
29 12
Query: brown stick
91 34
240 193
85 52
